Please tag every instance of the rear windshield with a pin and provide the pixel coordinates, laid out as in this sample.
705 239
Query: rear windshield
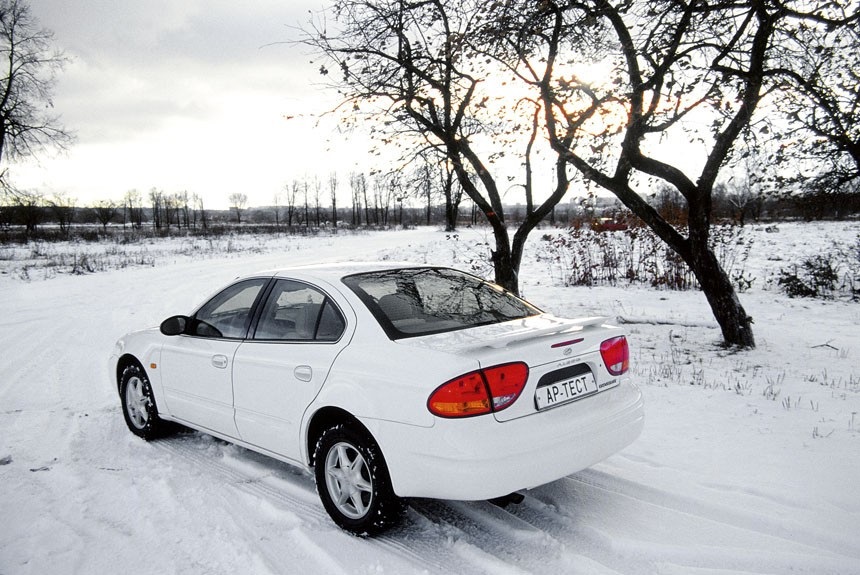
421 301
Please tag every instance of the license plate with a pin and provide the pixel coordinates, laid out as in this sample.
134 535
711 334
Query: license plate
566 390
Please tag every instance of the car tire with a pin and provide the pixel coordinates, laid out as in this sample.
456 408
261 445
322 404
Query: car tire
353 481
138 404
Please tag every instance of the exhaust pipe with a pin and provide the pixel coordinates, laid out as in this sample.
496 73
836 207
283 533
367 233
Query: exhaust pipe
505 500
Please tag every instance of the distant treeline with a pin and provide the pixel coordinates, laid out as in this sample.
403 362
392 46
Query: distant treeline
741 206
21 221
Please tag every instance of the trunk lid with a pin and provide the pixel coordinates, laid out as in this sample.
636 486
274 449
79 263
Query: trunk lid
560 354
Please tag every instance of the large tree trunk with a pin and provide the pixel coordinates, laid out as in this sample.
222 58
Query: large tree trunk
734 322
506 269
451 208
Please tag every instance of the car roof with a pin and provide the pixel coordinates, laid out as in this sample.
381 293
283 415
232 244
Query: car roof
333 272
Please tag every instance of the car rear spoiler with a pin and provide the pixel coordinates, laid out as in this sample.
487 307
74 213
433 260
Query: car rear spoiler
561 326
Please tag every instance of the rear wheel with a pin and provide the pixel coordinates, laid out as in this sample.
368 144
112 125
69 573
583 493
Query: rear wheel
138 404
353 482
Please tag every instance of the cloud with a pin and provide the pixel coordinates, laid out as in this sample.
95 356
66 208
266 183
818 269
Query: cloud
174 94
137 65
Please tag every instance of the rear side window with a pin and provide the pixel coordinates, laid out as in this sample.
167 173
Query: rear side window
295 311
421 301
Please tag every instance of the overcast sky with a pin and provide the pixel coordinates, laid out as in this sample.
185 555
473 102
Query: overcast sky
186 95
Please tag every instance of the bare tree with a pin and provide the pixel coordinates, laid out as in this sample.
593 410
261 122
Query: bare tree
434 178
197 203
332 187
358 186
62 209
817 71
363 188
27 207
238 201
307 220
414 63
5 213
394 187
317 192
742 195
171 209
276 200
133 207
29 67
662 62
156 199
104 211
384 186
292 194
183 209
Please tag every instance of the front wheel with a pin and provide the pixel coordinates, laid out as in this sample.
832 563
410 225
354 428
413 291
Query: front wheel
138 404
353 482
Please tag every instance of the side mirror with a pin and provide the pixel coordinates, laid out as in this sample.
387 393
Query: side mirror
175 325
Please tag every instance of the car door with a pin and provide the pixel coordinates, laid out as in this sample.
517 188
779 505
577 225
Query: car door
280 369
196 367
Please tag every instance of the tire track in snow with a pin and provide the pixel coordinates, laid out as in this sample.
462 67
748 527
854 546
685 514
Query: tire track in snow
439 536
288 502
792 532
591 550
20 375
555 529
278 536
501 539
788 546
294 493
568 528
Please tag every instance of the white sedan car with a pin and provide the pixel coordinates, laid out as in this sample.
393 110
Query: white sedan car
387 382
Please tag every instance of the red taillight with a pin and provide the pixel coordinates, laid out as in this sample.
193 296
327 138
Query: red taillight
479 392
461 397
616 355
506 383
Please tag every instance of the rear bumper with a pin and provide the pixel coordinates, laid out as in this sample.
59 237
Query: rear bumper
480 458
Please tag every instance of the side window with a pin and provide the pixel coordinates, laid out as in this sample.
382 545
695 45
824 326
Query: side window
331 323
228 313
295 311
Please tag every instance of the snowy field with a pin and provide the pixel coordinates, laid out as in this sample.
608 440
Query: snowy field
749 462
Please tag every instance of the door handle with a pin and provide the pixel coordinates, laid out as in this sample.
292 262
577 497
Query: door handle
303 373
219 361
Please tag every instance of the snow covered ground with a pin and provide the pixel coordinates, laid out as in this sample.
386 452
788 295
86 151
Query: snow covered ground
749 462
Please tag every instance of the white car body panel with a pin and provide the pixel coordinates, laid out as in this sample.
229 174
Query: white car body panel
267 396
196 374
273 384
479 458
406 374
